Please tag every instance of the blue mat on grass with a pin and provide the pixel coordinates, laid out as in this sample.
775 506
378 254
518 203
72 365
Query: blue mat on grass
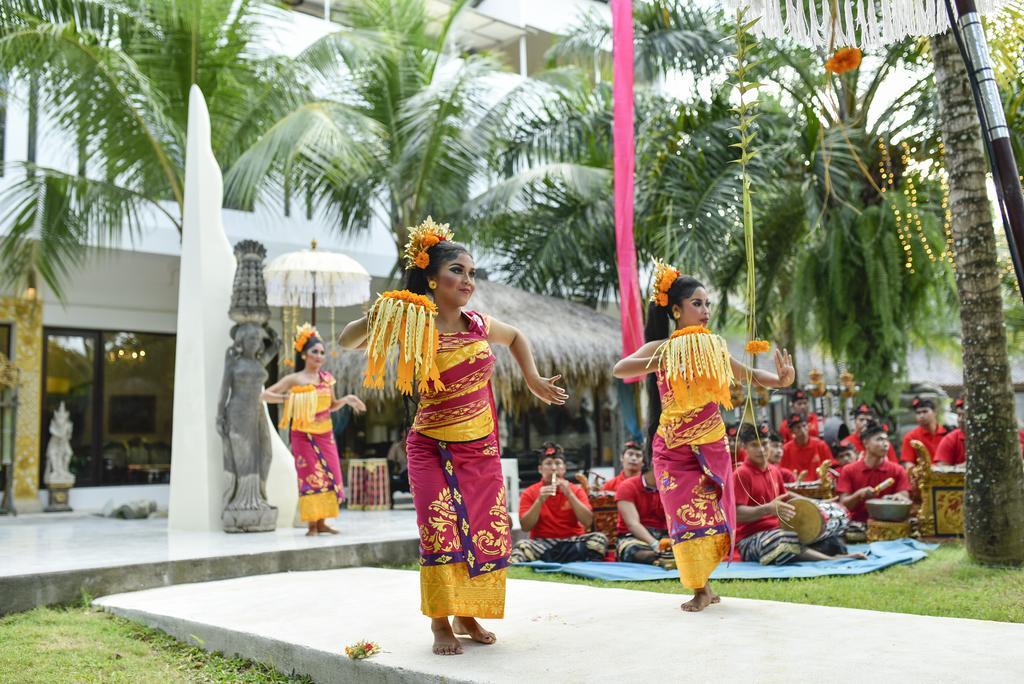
880 555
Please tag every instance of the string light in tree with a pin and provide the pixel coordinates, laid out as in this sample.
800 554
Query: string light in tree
885 171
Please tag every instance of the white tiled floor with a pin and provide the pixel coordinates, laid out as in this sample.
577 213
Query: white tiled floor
55 542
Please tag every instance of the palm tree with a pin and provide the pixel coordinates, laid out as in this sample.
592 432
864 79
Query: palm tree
837 202
994 494
548 213
113 80
402 104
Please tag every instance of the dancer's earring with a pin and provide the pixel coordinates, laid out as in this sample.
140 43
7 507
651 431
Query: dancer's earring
432 285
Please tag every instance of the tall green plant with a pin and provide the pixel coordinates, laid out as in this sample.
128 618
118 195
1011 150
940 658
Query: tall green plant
112 80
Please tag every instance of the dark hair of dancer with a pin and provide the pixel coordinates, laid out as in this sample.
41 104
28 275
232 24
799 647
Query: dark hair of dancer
443 252
300 361
657 328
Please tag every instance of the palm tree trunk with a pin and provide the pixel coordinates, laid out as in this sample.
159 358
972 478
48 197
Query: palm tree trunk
994 497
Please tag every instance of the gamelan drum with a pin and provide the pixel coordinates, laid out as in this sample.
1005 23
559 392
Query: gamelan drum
808 523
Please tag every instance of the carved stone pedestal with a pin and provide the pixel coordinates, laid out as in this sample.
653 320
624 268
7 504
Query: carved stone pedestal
252 520
59 498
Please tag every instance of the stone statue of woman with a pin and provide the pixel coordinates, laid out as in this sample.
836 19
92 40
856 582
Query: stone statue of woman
58 451
242 425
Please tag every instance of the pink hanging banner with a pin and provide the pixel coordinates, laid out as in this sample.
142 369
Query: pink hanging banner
622 137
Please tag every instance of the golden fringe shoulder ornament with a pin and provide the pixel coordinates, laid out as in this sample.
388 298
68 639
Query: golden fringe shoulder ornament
405 320
302 400
696 364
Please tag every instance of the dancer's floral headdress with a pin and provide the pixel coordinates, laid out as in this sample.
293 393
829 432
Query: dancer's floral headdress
664 276
303 334
422 238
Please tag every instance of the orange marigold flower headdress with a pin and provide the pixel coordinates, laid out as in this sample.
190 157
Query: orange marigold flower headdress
664 276
404 321
303 333
845 59
422 238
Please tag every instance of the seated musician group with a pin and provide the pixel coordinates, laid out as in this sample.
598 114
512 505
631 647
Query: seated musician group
558 516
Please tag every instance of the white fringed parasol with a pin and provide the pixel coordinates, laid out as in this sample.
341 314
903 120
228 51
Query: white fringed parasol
312 278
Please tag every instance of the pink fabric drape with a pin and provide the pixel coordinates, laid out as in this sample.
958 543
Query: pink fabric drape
622 136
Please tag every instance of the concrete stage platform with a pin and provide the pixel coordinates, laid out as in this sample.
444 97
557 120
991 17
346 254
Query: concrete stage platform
54 558
568 633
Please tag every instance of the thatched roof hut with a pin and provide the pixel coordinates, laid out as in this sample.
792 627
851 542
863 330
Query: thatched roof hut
567 338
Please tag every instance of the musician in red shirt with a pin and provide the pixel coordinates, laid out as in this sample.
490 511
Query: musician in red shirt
873 476
804 453
739 455
772 443
557 515
952 449
928 431
802 406
762 501
642 523
861 415
632 459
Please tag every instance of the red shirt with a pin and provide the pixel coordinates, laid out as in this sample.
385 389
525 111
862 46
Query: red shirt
951 449
929 439
613 484
755 487
556 519
857 475
812 428
807 457
953 452
787 474
854 439
647 502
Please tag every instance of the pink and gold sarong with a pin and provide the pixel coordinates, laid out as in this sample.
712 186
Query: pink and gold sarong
457 485
316 457
693 469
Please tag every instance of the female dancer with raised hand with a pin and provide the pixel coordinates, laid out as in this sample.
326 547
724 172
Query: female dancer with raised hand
308 398
686 434
454 463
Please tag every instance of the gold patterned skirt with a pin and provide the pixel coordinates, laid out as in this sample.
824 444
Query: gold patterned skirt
695 484
464 527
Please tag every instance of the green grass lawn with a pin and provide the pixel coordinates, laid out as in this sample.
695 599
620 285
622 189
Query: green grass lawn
54 645
946 584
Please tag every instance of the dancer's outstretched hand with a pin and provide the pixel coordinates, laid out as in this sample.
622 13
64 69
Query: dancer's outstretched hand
784 367
547 391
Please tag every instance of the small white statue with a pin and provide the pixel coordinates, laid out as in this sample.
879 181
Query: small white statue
58 451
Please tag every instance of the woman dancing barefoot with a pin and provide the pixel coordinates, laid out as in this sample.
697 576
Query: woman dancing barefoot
454 463
308 398
686 434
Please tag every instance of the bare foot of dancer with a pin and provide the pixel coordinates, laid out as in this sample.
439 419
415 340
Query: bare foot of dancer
715 598
312 531
467 626
701 600
445 642
323 528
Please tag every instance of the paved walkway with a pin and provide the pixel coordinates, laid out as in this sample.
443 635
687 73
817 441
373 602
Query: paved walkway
568 633
58 542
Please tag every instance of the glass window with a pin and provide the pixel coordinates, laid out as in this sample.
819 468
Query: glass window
5 339
71 379
138 402
119 389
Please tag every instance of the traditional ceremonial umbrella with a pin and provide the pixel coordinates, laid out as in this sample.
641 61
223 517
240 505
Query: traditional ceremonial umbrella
311 277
